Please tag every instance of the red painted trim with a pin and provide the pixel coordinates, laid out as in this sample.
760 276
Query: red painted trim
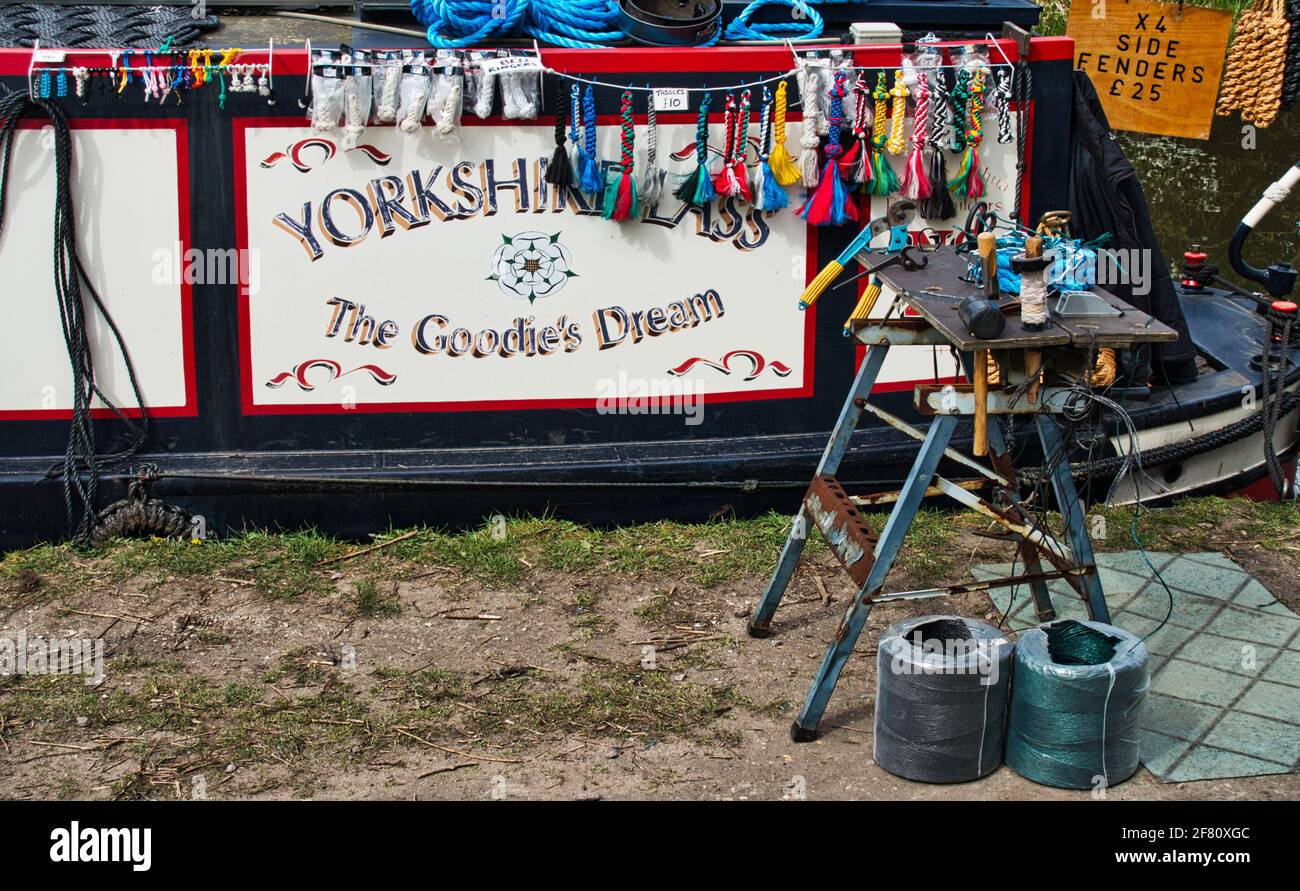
181 128
240 126
774 58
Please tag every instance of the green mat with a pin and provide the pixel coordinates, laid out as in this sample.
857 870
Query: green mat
1225 669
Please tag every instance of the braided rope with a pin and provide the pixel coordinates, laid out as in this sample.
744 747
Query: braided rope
1256 67
883 179
697 188
960 96
783 166
1291 79
968 183
915 184
808 79
591 181
940 109
897 141
1001 101
621 201
1023 88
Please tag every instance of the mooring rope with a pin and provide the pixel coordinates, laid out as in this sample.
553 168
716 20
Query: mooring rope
81 462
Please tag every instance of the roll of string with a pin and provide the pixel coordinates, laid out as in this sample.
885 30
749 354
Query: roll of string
941 698
1076 704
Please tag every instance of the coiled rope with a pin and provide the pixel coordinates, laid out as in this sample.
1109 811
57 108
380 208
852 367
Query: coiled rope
1076 704
81 461
578 24
941 698
456 24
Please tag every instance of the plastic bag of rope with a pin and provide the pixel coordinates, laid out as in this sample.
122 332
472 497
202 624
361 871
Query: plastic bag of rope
941 698
1077 726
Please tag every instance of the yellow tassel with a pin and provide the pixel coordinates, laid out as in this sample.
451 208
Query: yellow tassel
783 166
820 284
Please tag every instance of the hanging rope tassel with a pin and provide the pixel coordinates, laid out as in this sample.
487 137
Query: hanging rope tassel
697 188
915 185
1255 73
577 157
783 166
897 142
591 181
558 171
730 178
883 179
809 140
653 187
939 205
620 191
968 183
1001 100
828 205
853 164
767 190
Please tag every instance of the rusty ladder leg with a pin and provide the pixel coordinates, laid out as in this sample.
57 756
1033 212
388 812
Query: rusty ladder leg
761 621
1000 459
1067 499
891 539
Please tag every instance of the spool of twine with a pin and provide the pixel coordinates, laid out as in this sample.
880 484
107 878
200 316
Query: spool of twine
941 698
1076 704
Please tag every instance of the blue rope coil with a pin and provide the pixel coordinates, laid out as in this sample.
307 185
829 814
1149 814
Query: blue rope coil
584 24
578 24
805 21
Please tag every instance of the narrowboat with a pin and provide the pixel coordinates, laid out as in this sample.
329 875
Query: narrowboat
259 321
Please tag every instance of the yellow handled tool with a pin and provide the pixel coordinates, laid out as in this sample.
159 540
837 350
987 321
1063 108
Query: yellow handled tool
895 222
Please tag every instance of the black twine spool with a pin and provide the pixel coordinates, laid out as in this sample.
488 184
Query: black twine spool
941 699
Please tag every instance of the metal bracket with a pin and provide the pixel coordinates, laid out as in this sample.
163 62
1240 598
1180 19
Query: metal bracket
851 540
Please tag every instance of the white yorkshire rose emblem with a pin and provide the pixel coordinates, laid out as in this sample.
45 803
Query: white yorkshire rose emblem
531 265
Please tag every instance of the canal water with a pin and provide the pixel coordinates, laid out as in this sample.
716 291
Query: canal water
1199 190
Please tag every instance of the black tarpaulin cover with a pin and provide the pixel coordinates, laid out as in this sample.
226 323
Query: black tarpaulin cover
1106 197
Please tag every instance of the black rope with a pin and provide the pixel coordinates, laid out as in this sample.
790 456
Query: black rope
1269 405
81 465
1022 90
1291 80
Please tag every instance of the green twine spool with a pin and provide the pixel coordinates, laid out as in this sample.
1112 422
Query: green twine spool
1076 704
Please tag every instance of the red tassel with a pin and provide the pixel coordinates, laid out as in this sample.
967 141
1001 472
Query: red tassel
623 204
849 160
915 184
739 172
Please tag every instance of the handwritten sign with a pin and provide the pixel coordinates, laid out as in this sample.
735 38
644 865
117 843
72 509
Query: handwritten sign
1156 66
671 100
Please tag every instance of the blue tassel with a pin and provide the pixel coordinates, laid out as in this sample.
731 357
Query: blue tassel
704 190
774 196
592 182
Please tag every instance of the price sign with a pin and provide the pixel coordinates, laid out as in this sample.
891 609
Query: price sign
672 100
1156 66
510 63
